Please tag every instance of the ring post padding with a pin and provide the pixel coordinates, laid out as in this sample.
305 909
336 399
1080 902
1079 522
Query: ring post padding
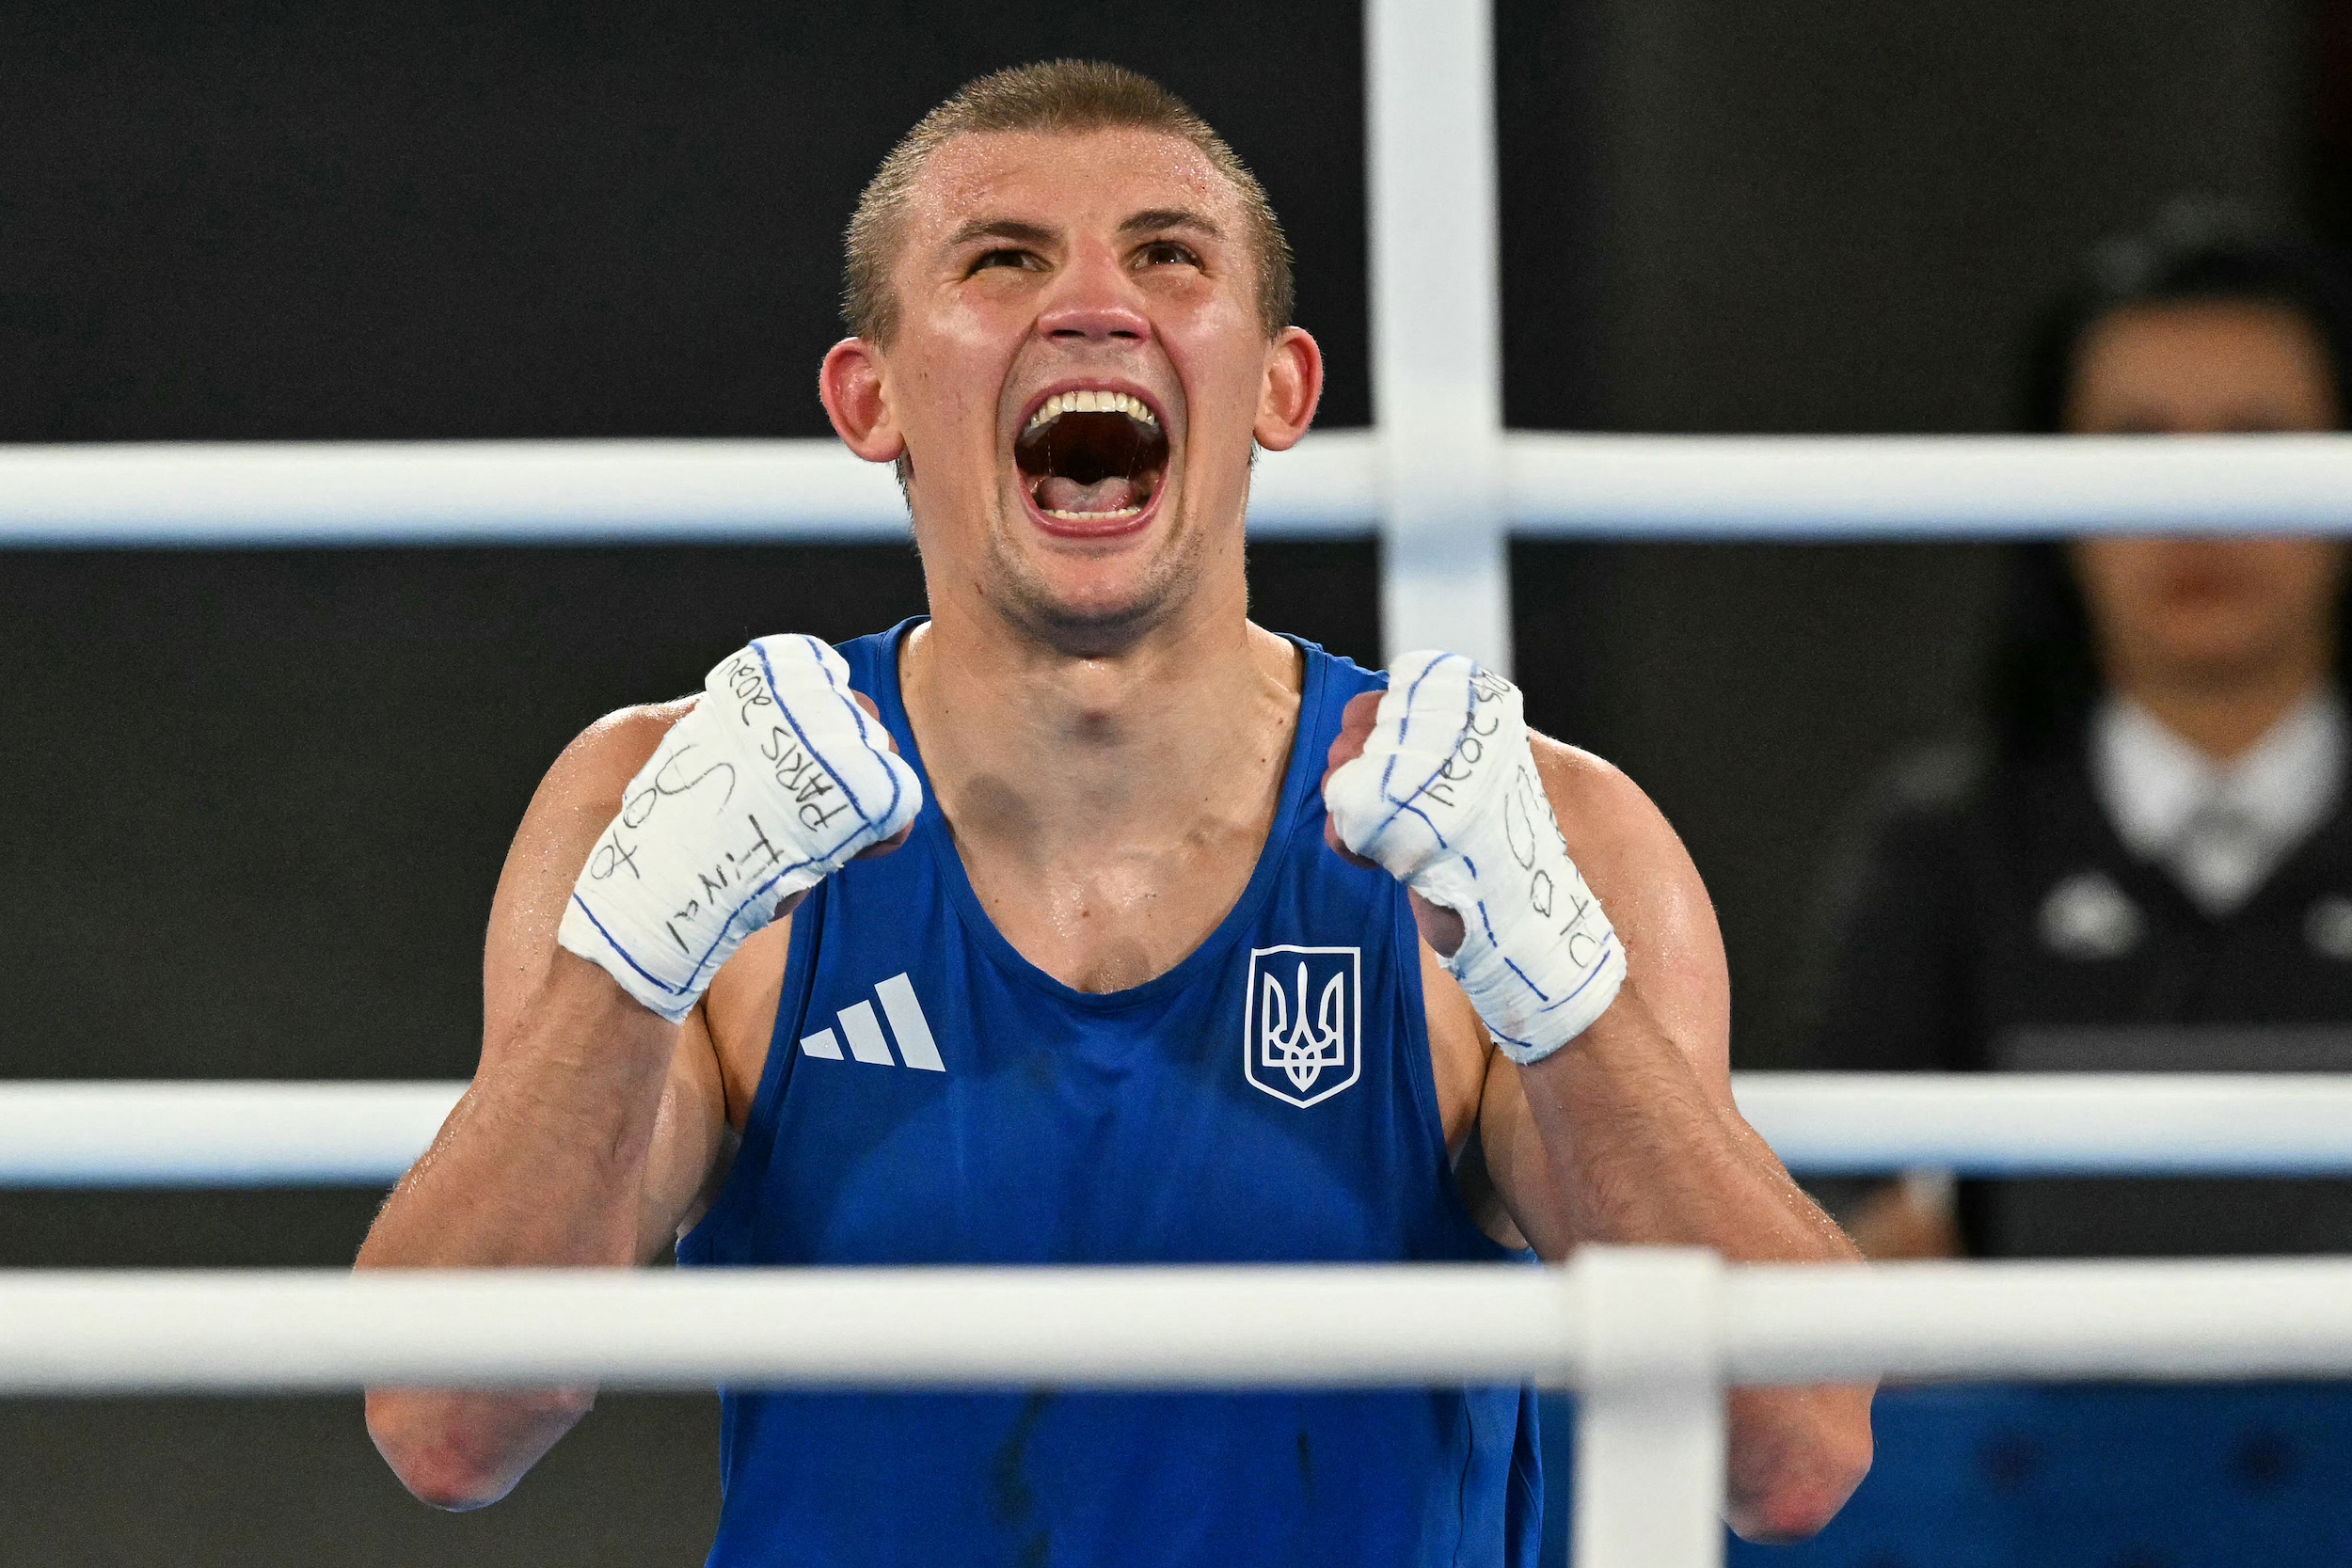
1649 1420
1437 328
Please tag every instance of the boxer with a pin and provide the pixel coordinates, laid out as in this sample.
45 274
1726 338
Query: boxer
1084 921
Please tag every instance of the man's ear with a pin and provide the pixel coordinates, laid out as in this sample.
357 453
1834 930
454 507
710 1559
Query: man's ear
850 384
1294 385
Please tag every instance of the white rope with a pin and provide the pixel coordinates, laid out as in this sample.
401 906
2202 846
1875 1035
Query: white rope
1151 1327
864 1327
215 1134
535 493
1824 488
2054 1124
228 1134
552 492
2272 1318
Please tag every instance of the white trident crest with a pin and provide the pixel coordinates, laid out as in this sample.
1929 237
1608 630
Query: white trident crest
1302 1021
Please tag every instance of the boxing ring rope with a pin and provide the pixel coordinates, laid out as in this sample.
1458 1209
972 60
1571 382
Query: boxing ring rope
272 1133
1649 1338
678 492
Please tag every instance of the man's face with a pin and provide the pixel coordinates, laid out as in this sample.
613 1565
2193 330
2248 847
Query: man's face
1076 372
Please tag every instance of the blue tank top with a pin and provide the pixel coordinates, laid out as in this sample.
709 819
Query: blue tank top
932 1096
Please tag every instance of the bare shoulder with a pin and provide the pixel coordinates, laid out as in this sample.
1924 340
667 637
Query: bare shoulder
587 777
580 794
1635 862
1647 882
1595 793
721 1057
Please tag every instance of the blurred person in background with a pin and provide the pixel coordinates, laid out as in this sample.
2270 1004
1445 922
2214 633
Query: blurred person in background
2142 862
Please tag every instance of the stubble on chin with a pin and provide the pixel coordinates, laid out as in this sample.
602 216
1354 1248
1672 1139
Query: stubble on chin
1028 601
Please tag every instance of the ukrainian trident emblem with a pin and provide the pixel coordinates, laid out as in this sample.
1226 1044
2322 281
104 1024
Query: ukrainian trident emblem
1302 1021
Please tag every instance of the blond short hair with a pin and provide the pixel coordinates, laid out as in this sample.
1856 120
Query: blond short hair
1051 96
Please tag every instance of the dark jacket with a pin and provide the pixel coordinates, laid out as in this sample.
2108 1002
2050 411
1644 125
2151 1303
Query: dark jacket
1988 918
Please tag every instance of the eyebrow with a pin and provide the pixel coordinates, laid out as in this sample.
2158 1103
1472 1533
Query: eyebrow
1171 217
1001 228
1021 232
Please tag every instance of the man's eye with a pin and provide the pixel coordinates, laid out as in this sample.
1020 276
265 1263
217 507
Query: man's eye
1022 260
1166 253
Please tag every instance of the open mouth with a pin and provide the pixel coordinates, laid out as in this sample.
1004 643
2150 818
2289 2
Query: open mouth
1091 458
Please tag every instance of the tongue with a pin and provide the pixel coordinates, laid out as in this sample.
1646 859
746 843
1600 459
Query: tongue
1056 494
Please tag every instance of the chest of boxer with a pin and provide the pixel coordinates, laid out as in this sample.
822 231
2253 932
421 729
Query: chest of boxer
931 1097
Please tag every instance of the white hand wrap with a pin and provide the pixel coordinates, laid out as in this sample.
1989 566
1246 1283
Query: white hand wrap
771 784
1446 797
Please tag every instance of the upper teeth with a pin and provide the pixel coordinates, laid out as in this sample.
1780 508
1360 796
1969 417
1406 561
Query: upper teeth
1090 403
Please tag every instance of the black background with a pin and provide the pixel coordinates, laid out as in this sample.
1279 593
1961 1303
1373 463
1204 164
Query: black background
256 800
442 220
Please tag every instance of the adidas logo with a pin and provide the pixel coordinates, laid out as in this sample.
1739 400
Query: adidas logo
864 1031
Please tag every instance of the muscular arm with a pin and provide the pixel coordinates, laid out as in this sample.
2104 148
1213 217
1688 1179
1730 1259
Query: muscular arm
1629 1134
591 1131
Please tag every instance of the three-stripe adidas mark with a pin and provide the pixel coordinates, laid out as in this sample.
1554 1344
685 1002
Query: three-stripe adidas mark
864 1031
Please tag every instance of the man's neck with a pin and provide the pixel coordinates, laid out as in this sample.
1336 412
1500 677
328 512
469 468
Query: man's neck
2224 716
1044 756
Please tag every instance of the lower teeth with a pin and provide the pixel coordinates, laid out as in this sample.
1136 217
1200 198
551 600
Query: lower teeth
1089 516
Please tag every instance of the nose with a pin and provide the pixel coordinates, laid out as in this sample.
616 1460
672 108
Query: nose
1094 301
